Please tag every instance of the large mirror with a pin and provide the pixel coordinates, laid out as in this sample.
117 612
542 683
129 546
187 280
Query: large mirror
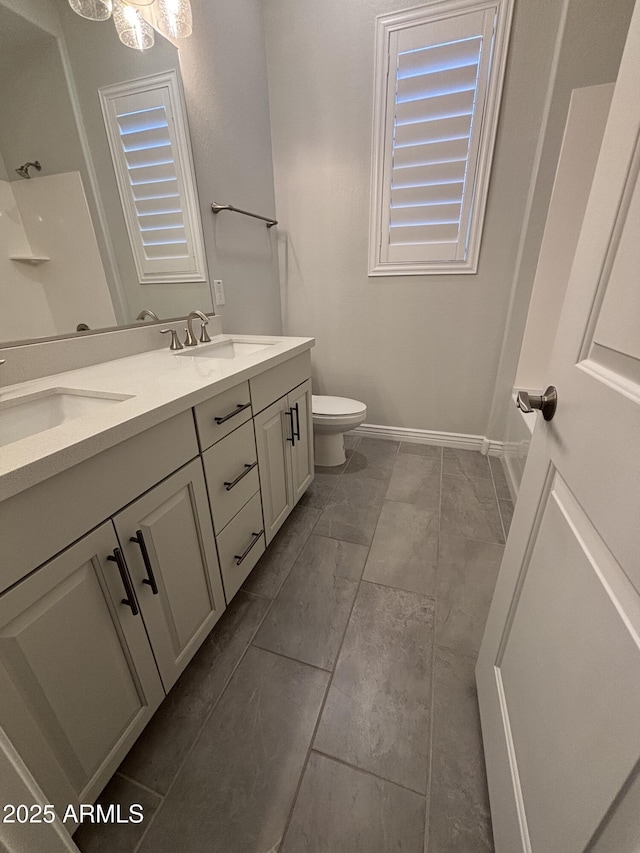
65 256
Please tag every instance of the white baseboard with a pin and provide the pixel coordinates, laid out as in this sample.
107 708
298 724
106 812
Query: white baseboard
512 479
428 436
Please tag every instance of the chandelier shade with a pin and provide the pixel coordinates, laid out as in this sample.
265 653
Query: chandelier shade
137 20
174 18
132 28
93 10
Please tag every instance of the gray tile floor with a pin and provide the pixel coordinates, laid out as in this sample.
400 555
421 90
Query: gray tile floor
333 708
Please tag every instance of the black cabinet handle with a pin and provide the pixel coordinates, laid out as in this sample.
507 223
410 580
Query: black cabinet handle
130 600
248 466
239 408
297 432
239 558
150 579
289 414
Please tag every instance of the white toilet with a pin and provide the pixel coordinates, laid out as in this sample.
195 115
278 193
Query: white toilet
332 417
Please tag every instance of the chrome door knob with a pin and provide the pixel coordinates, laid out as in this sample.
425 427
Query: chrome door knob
546 402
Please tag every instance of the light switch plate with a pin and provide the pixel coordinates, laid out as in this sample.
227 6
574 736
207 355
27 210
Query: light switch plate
218 291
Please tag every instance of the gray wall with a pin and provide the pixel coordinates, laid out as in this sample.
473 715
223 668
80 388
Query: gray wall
37 115
224 74
421 351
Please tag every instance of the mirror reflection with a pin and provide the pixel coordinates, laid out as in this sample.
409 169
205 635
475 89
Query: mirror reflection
66 261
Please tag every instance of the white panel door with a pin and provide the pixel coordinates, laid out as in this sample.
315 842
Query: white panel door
167 538
299 401
559 667
274 434
77 677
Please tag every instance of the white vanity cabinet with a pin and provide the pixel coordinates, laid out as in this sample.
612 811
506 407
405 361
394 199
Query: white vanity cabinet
273 436
299 401
88 648
93 634
78 678
284 440
167 540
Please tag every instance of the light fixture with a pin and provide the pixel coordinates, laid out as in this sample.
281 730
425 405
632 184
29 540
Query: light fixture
173 18
132 28
93 10
136 20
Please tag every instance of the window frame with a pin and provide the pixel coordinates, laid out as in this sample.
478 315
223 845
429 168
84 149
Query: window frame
195 269
386 27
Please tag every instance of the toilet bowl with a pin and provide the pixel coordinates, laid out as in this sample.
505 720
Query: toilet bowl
332 417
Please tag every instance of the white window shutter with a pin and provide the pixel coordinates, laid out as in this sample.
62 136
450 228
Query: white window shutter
436 114
146 127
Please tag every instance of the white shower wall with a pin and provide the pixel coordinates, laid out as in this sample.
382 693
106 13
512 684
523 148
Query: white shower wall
58 225
20 284
48 217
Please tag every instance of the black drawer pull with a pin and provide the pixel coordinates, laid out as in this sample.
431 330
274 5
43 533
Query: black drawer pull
239 558
130 600
289 414
248 466
297 432
150 579
239 408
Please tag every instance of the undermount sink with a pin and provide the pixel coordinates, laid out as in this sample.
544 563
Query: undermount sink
227 349
23 416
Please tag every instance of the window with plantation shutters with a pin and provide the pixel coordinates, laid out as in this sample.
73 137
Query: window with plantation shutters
439 73
147 131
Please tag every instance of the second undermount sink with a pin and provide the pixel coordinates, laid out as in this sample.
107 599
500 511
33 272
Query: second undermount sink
23 416
227 349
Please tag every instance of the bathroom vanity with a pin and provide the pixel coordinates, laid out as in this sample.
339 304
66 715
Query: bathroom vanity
125 531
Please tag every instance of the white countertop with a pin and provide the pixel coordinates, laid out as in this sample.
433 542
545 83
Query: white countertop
160 384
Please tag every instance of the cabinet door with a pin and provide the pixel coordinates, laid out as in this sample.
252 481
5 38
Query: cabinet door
302 449
273 439
77 676
167 538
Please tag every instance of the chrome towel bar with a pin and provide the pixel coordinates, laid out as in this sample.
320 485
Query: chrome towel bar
216 208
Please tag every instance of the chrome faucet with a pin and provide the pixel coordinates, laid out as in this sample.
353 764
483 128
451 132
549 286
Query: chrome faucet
175 343
190 340
146 313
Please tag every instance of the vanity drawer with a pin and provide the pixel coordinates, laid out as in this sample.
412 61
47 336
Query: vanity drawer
223 413
231 467
237 554
272 384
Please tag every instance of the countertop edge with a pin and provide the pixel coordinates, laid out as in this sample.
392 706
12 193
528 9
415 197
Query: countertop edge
55 461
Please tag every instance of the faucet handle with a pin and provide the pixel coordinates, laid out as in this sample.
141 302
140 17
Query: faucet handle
204 335
175 343
2 360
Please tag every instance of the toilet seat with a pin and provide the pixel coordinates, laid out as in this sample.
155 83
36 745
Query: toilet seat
332 417
336 407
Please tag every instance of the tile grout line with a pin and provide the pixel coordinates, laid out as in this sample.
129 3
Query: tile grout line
427 815
295 559
201 729
138 784
226 684
249 645
366 772
320 712
400 588
289 657
495 492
